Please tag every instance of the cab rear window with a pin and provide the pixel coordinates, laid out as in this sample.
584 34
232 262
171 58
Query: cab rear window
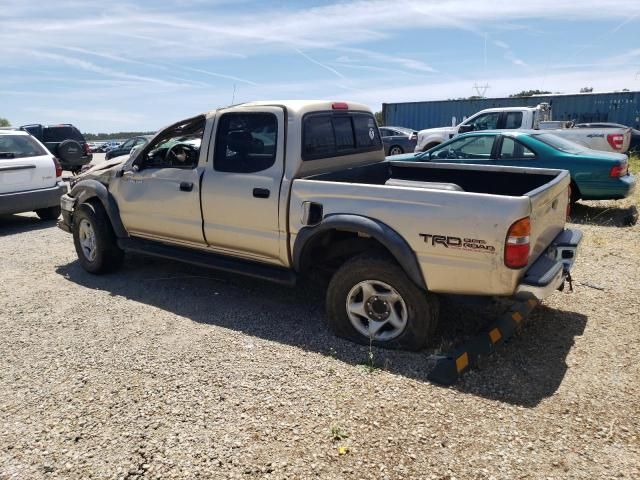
333 134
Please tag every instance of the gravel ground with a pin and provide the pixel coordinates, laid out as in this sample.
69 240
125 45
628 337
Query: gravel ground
168 371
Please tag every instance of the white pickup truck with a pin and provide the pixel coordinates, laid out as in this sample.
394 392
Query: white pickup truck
277 190
528 118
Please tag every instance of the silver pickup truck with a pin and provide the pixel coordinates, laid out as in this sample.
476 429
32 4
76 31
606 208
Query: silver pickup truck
276 190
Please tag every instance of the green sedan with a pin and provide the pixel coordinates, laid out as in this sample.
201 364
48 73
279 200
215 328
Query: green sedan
595 175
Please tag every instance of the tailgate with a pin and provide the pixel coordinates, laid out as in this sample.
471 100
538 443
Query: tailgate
548 213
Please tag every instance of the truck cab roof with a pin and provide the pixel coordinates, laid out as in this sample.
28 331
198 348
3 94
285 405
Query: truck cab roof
301 107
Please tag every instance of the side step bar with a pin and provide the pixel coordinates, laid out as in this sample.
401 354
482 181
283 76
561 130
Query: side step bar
209 260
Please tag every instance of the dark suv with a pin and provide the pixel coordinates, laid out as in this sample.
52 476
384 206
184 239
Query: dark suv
65 142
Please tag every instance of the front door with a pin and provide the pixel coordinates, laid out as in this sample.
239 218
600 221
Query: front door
467 149
241 187
160 197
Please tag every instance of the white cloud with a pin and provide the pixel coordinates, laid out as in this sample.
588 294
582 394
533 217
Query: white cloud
127 54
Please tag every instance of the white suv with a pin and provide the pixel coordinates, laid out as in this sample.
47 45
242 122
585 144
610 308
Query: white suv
30 176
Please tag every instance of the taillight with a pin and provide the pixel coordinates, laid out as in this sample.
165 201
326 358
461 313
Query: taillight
87 149
516 250
339 106
414 136
569 202
58 167
619 170
616 140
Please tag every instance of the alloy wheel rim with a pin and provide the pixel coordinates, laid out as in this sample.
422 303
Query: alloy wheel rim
376 310
87 237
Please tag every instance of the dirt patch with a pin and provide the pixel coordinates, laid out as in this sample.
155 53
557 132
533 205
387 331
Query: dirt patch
168 371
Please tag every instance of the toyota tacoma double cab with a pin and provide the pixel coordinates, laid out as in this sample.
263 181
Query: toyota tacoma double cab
278 190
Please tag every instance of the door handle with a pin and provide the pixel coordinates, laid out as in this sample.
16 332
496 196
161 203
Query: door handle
186 186
261 192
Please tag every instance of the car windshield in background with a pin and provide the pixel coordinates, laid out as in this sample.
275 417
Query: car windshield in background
19 146
559 143
62 133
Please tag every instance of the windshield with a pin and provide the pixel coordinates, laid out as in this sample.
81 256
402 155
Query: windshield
559 143
19 146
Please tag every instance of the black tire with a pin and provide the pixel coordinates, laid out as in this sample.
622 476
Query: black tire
50 213
108 256
575 193
422 307
430 146
69 151
395 150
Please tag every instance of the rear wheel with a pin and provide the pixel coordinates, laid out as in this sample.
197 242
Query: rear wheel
50 213
396 150
371 300
95 242
575 193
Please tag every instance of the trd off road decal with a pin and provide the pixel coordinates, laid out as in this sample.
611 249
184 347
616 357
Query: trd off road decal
469 244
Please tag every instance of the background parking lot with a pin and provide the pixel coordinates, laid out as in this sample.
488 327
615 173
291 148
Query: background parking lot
168 371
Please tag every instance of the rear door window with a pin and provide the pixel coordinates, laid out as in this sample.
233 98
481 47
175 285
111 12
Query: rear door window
331 135
512 149
19 146
513 120
246 142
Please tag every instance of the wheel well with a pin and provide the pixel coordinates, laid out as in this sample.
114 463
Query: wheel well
575 191
429 146
328 250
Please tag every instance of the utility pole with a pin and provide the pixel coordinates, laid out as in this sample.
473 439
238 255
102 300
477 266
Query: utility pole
481 90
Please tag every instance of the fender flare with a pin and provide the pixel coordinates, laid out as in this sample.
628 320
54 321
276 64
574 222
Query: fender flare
385 235
87 189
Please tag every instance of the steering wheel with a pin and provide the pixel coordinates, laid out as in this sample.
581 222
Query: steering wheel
458 154
182 154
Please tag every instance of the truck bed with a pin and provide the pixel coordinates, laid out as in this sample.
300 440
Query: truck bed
505 181
477 203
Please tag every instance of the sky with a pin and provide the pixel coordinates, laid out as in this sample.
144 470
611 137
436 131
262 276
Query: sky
140 65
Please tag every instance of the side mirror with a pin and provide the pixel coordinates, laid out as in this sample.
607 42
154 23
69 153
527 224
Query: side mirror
466 128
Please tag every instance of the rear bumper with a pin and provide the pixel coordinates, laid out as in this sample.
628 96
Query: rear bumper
31 200
612 189
549 272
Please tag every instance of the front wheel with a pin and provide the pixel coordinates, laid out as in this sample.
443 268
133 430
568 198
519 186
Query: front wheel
95 242
371 300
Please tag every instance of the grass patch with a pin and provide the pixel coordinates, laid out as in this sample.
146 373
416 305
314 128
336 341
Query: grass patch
338 433
634 163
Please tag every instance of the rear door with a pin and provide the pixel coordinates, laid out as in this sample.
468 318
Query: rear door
24 164
511 152
241 186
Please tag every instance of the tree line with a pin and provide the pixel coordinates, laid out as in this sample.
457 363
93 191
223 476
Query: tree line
92 137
